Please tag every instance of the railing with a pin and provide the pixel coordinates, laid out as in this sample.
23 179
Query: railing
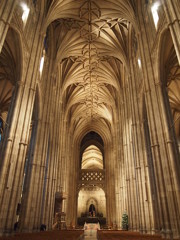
87 175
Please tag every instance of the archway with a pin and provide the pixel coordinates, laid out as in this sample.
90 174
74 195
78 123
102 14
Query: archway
91 202
91 205
170 77
10 72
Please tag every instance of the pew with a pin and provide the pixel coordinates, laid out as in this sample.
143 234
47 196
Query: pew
47 235
125 235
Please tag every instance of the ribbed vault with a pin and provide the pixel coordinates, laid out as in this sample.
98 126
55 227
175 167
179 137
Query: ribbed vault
92 158
90 45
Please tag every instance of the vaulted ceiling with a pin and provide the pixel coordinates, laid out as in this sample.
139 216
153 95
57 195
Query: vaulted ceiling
90 42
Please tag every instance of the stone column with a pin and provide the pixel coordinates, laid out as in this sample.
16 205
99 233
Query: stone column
138 148
47 200
15 142
131 194
110 184
6 12
51 182
124 165
72 198
59 186
121 166
66 153
33 195
152 188
71 175
113 177
122 154
118 179
164 162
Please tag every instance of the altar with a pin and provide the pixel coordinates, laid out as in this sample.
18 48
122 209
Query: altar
101 220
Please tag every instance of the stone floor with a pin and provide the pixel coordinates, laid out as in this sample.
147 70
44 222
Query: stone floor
90 231
90 234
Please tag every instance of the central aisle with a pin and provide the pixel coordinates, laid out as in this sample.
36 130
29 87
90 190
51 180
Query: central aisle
90 231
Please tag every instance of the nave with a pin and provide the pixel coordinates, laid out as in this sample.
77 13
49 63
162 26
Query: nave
90 118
